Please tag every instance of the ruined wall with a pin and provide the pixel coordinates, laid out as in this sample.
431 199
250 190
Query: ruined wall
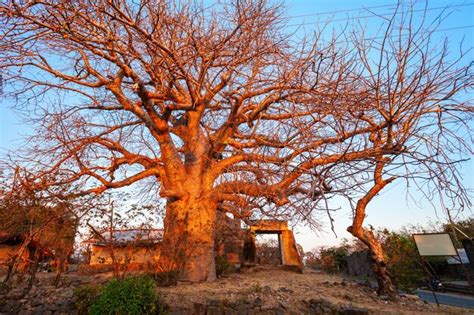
290 255
229 239
358 264
131 254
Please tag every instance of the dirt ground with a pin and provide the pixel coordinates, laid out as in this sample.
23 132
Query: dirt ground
268 287
289 290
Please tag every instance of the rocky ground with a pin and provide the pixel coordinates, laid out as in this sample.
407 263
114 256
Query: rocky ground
256 291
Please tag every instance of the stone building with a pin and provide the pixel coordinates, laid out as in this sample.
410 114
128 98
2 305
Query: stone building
131 246
137 247
239 245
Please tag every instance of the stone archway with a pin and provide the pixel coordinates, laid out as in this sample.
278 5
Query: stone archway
290 257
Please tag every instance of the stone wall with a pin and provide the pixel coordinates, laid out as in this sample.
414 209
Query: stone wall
132 254
358 264
60 302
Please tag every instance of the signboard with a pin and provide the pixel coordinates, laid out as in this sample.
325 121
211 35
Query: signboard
435 244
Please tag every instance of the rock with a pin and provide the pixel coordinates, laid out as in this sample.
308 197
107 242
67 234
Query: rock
12 306
258 302
36 301
54 307
279 311
68 294
347 297
412 297
215 303
199 308
229 311
213 310
321 306
351 310
33 290
283 305
286 290
38 311
266 290
242 308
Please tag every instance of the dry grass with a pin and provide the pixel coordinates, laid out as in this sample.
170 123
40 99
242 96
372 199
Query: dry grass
276 288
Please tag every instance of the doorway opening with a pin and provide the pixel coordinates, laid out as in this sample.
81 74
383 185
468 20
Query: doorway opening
268 249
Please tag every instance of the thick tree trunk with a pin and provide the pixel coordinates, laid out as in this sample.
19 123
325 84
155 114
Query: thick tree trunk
379 265
188 243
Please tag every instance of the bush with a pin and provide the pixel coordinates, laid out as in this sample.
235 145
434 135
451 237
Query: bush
84 297
334 259
402 260
135 295
312 260
221 265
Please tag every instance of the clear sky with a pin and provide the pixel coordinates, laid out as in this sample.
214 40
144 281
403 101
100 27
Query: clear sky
391 209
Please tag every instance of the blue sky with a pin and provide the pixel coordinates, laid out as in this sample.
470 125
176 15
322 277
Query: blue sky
391 209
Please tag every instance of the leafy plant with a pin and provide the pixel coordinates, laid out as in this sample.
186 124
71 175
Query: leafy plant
402 259
133 296
334 258
84 297
222 265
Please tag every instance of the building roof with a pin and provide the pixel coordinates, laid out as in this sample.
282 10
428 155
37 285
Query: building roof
124 237
453 260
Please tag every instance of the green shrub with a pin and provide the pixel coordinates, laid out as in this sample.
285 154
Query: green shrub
334 259
84 297
402 259
135 295
221 265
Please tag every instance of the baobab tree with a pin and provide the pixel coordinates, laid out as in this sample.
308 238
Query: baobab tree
219 107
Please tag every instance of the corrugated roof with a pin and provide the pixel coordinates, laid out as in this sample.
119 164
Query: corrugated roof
129 236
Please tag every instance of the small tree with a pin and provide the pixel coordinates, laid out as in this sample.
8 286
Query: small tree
42 222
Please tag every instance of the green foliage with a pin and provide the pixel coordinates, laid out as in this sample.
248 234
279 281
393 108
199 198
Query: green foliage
400 252
466 226
402 259
334 259
134 296
222 265
84 297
